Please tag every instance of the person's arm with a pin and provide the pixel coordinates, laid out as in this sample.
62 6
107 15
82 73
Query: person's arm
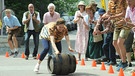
54 45
10 29
25 20
44 19
68 42
96 28
76 18
37 20
122 14
58 15
85 22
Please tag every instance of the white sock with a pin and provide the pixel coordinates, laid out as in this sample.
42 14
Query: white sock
16 49
12 51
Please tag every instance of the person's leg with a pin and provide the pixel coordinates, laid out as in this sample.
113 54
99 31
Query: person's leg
128 46
10 44
128 55
133 47
106 47
115 39
123 35
79 56
112 52
36 43
46 46
15 42
50 50
27 36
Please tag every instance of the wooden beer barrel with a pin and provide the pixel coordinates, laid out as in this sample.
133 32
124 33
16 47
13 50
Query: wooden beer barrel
72 62
61 64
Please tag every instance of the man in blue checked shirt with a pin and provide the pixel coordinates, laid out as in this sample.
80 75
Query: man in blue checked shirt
12 25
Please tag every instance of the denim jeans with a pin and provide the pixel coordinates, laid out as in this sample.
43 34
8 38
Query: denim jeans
50 50
35 39
46 45
108 48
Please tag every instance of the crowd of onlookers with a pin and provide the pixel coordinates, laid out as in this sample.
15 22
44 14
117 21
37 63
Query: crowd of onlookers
106 33
99 32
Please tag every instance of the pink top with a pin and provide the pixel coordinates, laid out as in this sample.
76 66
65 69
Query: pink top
48 18
130 13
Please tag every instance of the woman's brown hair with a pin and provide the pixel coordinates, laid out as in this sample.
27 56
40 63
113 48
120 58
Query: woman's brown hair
60 21
89 7
123 4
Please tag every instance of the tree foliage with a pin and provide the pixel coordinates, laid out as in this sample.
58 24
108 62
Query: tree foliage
66 6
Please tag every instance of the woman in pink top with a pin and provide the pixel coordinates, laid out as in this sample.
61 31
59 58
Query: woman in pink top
82 33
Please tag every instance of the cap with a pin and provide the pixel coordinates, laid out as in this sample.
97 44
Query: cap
101 11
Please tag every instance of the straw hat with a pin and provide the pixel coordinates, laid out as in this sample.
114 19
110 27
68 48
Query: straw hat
81 3
93 3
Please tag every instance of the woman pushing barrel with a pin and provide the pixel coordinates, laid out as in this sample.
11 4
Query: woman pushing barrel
53 33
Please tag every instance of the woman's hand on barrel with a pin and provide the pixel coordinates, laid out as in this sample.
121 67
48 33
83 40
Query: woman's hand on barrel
57 52
70 49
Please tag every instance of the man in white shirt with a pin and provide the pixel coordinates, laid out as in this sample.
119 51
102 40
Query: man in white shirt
31 20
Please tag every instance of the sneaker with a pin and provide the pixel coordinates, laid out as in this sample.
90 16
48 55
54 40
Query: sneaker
98 61
34 57
123 66
36 69
15 54
119 64
130 65
86 59
26 57
12 53
112 63
104 60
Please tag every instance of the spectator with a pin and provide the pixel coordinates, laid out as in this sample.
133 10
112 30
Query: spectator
31 20
117 10
12 25
50 16
129 20
94 49
82 33
94 5
108 48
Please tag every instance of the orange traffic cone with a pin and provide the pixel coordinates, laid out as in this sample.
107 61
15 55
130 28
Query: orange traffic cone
121 72
111 70
82 62
6 55
94 63
133 73
38 56
23 56
76 61
103 66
